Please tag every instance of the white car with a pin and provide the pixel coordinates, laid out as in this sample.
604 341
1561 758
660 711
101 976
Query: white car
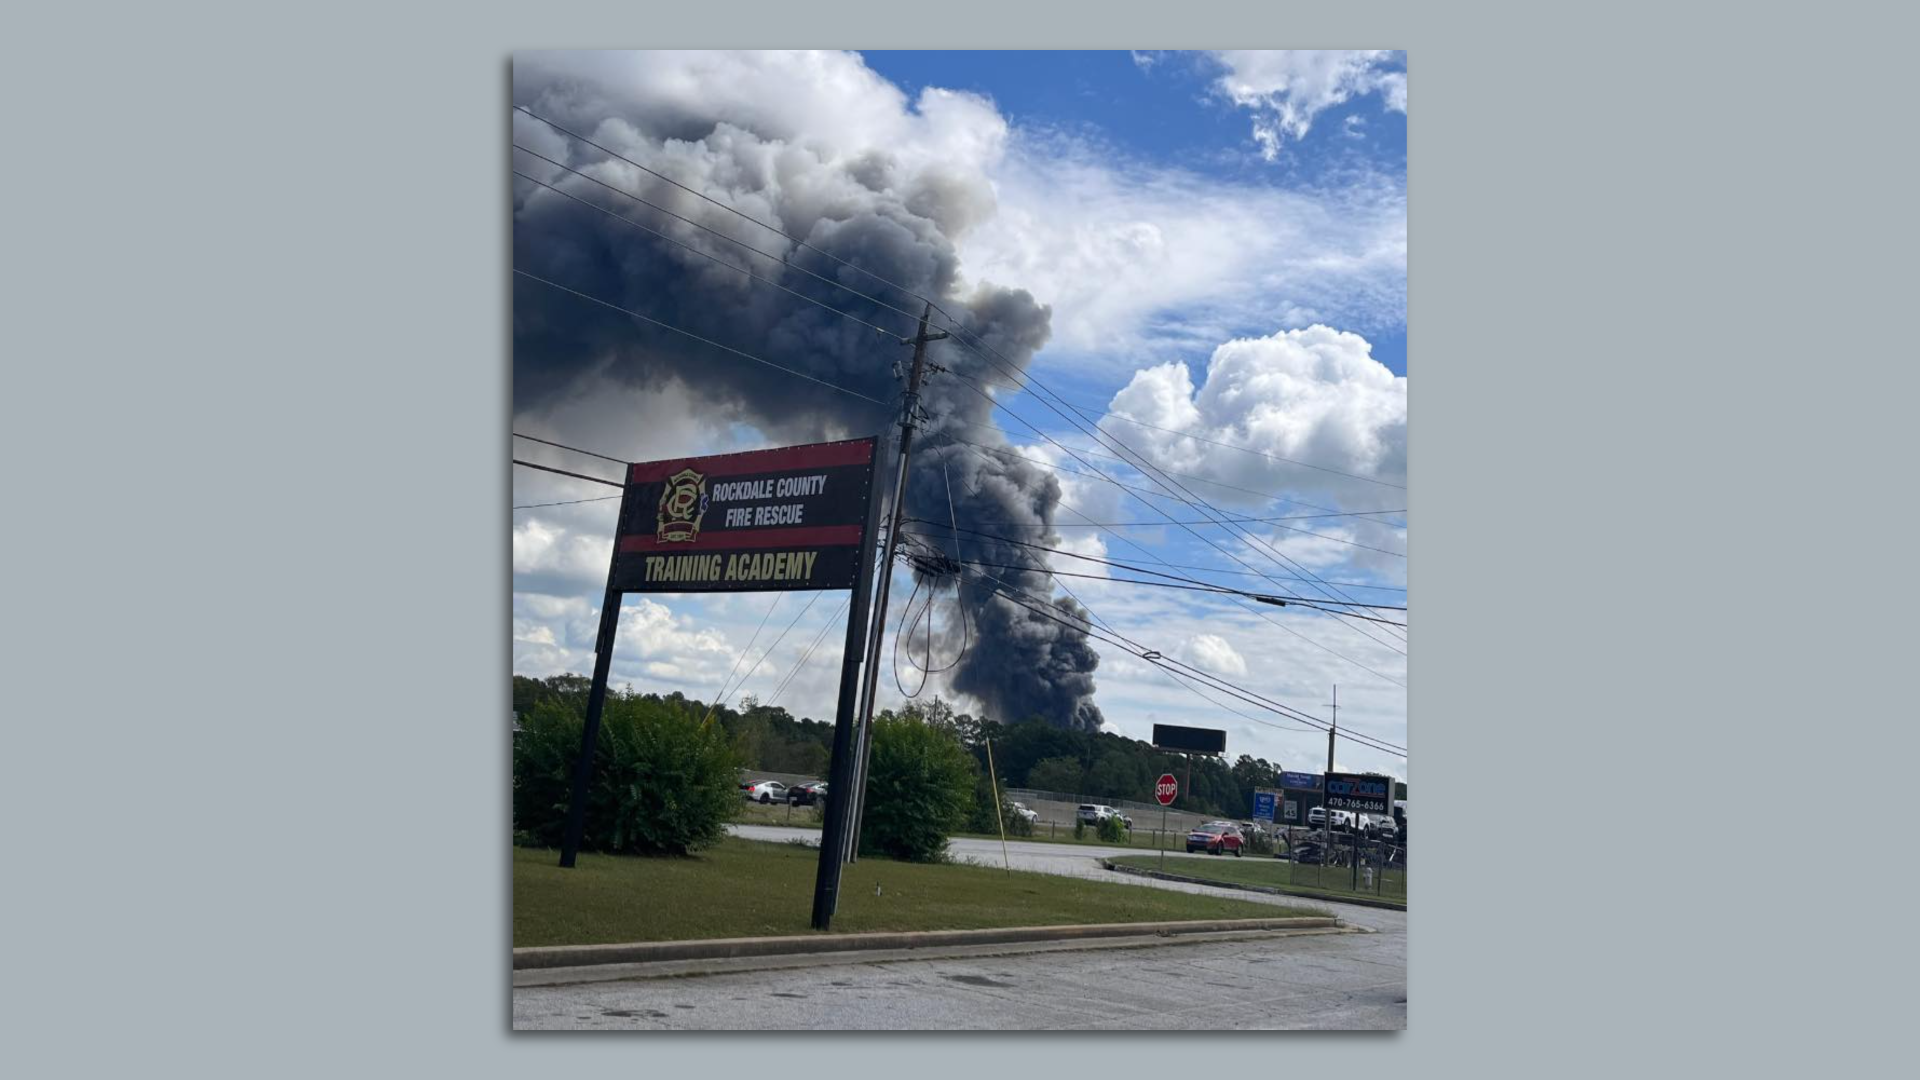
765 791
1095 813
1021 809
1342 819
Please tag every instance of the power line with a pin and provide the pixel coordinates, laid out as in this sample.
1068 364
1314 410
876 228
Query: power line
567 502
1157 524
563 472
1064 505
953 323
1175 498
1155 657
808 654
1278 601
697 337
958 334
690 247
1232 446
1094 616
1142 570
1198 503
575 449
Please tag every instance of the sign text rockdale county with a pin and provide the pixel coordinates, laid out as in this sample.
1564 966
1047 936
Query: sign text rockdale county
791 518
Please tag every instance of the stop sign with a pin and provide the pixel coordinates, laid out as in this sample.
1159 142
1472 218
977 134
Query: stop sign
1166 788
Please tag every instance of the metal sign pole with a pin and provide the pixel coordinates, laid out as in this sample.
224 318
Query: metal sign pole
826 881
596 700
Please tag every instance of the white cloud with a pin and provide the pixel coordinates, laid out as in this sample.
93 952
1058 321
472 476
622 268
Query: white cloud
1141 261
1314 395
1287 88
1211 653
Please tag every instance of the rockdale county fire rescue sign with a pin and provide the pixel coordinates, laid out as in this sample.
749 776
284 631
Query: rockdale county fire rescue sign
791 518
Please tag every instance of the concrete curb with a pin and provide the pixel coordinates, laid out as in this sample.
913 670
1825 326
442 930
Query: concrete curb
1270 890
645 952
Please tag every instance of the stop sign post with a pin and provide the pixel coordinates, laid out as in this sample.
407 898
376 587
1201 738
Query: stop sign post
1165 789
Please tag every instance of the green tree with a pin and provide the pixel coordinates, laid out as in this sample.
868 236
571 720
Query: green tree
663 781
919 789
1055 774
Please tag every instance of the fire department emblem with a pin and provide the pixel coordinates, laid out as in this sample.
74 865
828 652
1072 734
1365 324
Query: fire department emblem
682 504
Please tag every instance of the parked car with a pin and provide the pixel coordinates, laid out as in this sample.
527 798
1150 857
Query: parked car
1343 820
1095 813
1021 809
1215 838
764 791
807 794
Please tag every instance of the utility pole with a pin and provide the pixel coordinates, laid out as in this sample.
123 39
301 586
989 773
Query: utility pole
863 748
1326 811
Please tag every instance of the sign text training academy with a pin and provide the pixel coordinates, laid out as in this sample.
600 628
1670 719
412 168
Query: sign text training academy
790 518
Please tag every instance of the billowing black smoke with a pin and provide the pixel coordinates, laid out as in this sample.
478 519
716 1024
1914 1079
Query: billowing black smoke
894 219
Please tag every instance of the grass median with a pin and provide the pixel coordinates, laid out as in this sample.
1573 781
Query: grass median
1331 882
745 888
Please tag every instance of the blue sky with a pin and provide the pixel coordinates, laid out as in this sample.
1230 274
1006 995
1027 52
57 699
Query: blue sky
1221 239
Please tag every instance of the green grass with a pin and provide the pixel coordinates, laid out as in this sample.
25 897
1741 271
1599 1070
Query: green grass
743 888
753 813
1139 838
1332 882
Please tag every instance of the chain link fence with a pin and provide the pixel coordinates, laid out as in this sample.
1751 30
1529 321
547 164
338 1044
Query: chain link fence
1344 861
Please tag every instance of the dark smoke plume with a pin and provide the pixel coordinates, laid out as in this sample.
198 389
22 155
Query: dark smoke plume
897 218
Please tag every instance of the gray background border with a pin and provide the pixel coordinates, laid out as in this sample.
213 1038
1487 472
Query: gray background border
257 370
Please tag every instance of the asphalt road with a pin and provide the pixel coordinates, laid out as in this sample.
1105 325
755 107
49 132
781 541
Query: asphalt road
1340 982
1334 981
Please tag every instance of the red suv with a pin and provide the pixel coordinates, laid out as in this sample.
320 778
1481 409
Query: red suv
1214 840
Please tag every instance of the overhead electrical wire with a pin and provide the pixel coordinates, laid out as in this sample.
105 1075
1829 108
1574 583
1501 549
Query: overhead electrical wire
688 333
934 304
1175 498
1155 657
808 654
567 502
563 472
1142 570
1069 508
1197 503
958 335
575 449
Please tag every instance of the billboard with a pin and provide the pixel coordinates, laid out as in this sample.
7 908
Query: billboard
790 518
1361 792
1300 781
1263 801
1196 740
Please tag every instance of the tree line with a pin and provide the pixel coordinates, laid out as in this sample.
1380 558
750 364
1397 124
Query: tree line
1031 753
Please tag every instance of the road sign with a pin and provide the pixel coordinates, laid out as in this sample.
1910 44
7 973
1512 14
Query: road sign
1263 806
1166 789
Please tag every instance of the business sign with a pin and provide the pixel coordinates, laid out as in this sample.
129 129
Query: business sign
1263 806
1361 792
1194 740
1300 781
792 518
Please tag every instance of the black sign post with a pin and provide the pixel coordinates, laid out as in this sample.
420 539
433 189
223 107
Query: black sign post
799 517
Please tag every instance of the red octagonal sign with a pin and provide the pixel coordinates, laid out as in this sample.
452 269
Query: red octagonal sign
1166 788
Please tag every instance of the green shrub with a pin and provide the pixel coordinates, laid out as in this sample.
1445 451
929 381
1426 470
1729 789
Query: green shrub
664 781
1079 829
919 789
1113 830
980 815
